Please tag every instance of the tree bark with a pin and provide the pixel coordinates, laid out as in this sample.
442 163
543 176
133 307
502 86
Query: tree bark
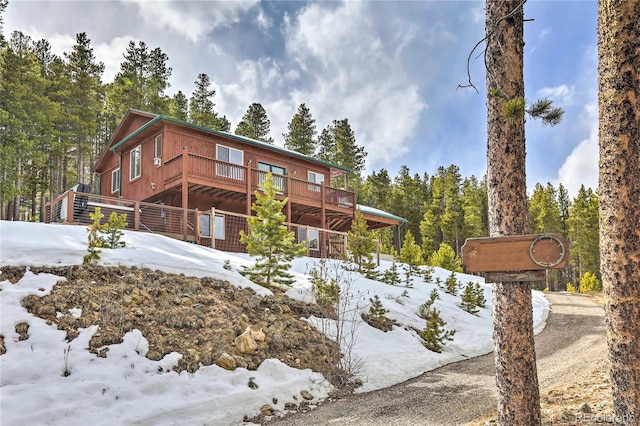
516 373
619 194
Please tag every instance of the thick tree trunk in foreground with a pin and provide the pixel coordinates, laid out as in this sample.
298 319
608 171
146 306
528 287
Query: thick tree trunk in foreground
619 193
517 378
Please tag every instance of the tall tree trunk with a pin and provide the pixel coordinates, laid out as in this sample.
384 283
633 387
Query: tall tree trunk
619 193
516 374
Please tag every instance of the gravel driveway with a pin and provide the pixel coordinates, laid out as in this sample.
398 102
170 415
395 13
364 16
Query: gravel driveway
572 341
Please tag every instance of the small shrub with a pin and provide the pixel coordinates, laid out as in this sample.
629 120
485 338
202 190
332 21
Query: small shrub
571 288
325 288
112 229
427 273
589 282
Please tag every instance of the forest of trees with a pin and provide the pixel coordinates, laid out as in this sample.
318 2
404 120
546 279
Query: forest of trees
57 115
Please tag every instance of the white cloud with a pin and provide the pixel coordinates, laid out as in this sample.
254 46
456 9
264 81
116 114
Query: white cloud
581 166
562 95
111 54
263 21
193 20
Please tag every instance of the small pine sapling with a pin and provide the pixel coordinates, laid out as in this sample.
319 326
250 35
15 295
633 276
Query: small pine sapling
391 276
427 273
377 310
113 230
325 288
481 301
425 308
434 334
95 240
408 277
451 284
439 283
468 300
589 282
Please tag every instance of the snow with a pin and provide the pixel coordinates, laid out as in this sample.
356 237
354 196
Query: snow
128 388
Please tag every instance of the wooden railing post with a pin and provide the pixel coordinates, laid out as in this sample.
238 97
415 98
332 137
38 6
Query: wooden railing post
185 192
136 216
213 227
70 204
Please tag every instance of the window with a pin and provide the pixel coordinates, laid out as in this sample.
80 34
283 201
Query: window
158 147
135 165
314 237
115 180
234 170
316 178
277 172
205 226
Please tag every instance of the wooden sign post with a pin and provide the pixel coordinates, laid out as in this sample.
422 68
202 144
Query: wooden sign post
515 258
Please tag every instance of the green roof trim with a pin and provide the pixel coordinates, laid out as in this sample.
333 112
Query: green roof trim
380 213
227 135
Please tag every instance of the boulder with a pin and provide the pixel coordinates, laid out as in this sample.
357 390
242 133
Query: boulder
226 361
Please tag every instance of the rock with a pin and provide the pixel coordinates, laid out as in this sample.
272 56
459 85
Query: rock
226 361
258 335
23 331
246 343
584 408
267 410
3 349
306 395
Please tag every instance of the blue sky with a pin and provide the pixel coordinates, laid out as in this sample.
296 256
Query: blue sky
391 67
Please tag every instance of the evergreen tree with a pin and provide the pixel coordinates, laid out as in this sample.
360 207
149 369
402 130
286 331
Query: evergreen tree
468 300
544 212
3 6
446 258
301 135
407 200
337 145
434 334
410 253
583 233
85 99
481 301
361 245
201 105
475 208
255 124
269 240
391 276
179 106
451 284
376 308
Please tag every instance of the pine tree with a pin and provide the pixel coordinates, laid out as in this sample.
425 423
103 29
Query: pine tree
451 284
376 308
269 240
410 253
301 135
391 276
255 124
446 258
468 300
337 145
179 106
434 334
201 105
583 233
478 292
361 244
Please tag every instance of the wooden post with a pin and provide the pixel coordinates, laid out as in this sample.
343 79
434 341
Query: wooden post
249 177
185 193
323 223
197 227
136 216
70 204
213 227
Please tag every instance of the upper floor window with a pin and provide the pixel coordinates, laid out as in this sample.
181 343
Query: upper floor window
229 155
158 146
115 180
317 178
135 164
277 173
235 158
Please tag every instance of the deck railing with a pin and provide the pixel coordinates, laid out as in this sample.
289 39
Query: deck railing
185 224
215 171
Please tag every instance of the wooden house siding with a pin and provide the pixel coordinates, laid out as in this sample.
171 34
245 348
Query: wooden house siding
191 175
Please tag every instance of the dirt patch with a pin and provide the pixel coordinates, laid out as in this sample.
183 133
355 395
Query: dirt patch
197 317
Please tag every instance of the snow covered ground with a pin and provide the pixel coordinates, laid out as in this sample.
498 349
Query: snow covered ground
128 388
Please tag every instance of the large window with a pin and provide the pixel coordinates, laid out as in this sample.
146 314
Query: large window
316 178
277 172
234 157
135 165
205 226
115 180
158 146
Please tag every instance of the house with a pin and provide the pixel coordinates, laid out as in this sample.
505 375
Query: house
162 161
